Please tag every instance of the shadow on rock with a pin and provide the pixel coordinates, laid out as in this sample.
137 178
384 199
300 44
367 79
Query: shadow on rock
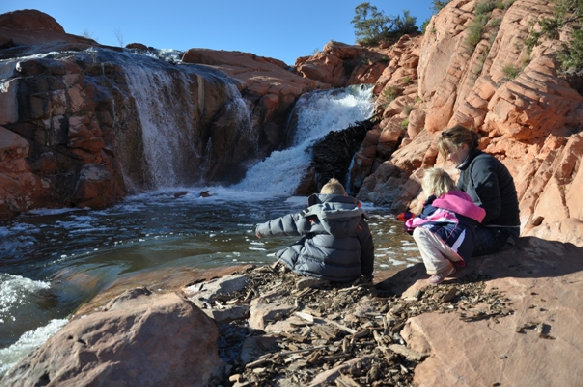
531 257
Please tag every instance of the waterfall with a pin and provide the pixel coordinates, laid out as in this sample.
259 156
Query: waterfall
318 113
165 127
169 102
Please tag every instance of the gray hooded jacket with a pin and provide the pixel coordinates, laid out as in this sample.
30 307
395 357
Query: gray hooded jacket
336 244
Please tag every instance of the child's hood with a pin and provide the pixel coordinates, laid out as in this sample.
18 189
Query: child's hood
333 206
338 215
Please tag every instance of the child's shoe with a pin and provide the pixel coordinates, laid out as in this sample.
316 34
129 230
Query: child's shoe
438 278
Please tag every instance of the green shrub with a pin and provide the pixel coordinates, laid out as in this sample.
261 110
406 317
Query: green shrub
571 56
405 123
371 26
485 7
511 71
507 4
476 28
424 26
568 15
439 5
391 93
495 22
480 63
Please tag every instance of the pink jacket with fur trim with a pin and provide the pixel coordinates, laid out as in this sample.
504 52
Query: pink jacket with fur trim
452 217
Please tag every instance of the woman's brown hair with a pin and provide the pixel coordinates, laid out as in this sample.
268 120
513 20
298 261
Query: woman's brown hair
454 137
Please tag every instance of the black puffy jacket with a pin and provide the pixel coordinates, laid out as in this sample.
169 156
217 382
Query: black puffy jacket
336 244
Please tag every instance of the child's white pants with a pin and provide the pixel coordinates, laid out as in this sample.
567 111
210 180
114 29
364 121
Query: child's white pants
436 255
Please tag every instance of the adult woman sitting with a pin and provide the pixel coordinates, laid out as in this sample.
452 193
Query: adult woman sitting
489 184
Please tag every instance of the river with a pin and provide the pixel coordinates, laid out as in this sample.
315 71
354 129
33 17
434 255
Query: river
53 260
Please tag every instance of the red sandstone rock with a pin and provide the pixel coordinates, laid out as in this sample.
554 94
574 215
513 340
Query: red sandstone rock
32 27
526 122
30 20
140 339
19 187
535 345
137 46
330 65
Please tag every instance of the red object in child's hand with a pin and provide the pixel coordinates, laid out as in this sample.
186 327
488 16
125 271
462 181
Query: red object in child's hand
405 215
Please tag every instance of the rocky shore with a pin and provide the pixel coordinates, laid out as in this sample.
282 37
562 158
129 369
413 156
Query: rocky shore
511 318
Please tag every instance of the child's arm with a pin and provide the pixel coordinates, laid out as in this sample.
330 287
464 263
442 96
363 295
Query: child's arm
289 225
428 210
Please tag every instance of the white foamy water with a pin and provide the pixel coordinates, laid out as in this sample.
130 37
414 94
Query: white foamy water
28 342
168 114
162 136
319 113
15 291
323 111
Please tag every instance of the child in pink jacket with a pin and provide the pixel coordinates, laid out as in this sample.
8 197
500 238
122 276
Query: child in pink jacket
444 231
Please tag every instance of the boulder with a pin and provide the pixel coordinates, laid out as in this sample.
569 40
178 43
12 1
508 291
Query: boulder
537 344
26 28
140 338
19 187
340 64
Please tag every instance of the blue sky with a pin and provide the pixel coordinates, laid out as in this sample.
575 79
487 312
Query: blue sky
280 29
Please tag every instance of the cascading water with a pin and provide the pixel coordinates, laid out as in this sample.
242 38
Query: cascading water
169 104
318 113
164 131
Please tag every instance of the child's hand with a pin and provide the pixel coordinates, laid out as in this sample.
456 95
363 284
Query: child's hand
405 215
257 235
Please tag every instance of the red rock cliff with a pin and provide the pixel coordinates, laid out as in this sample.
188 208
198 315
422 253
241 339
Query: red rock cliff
531 122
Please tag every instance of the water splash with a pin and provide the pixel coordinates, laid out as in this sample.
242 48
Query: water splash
14 292
319 113
28 342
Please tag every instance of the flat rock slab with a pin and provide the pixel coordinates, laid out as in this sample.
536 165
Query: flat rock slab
539 344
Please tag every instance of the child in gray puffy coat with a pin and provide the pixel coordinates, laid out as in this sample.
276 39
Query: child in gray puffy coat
336 245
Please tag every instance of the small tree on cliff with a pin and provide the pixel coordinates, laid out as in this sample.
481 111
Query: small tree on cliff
439 5
568 17
371 26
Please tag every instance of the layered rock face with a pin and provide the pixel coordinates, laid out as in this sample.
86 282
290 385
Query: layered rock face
527 116
99 124
82 125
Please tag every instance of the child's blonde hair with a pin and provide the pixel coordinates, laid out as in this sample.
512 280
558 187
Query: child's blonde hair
333 186
437 181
